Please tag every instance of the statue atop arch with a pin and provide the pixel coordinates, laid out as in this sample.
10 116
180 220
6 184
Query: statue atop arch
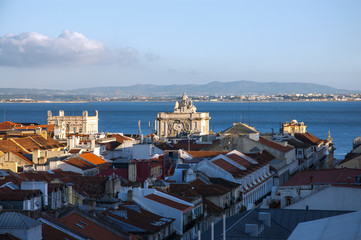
185 105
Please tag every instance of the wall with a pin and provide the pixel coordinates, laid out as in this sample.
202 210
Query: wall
35 185
24 234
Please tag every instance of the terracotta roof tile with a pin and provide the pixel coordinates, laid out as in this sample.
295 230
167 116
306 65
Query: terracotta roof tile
48 127
165 201
18 195
37 176
120 138
275 145
7 125
203 154
236 172
212 190
142 219
87 227
10 146
91 157
325 176
308 138
51 233
74 150
240 160
80 163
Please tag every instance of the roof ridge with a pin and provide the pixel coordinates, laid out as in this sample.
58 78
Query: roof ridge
24 149
40 145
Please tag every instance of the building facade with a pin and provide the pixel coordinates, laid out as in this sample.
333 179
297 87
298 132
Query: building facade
73 124
183 121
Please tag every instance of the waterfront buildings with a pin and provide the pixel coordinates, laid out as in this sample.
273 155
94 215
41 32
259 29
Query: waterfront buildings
73 124
183 121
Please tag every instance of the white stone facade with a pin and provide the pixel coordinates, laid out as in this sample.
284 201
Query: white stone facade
73 124
184 120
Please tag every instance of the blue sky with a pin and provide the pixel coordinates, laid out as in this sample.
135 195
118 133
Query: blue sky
70 44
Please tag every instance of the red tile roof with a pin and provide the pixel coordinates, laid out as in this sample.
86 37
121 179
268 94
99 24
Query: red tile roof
87 227
7 125
80 163
203 154
28 144
91 157
308 138
52 233
212 190
165 201
74 150
275 145
48 127
236 172
37 176
18 195
142 219
10 145
120 138
240 160
325 176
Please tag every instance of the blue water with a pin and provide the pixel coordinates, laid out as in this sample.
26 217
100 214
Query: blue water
343 119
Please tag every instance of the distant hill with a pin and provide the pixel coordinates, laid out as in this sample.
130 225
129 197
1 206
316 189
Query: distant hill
213 88
151 90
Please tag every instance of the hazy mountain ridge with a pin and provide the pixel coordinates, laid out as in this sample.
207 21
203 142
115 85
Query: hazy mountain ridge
152 90
213 88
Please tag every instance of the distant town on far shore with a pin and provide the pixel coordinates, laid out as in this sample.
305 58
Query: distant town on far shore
213 91
311 97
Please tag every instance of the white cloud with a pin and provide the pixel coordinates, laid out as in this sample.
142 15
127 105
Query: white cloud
69 48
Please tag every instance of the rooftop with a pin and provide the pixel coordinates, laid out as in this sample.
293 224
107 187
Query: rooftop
17 220
170 203
341 176
275 145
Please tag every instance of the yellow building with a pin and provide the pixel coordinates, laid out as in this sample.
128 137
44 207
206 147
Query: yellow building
293 127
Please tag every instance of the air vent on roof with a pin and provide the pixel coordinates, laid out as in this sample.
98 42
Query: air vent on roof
251 229
79 225
358 179
265 217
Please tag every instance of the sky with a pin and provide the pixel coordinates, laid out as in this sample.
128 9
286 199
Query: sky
73 44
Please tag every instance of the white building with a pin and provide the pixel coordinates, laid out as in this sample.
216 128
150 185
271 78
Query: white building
73 124
183 121
162 204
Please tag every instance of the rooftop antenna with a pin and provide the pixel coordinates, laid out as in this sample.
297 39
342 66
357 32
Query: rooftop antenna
249 113
140 131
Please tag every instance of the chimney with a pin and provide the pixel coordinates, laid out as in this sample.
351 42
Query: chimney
92 145
91 205
130 196
36 156
265 218
251 229
38 131
146 184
